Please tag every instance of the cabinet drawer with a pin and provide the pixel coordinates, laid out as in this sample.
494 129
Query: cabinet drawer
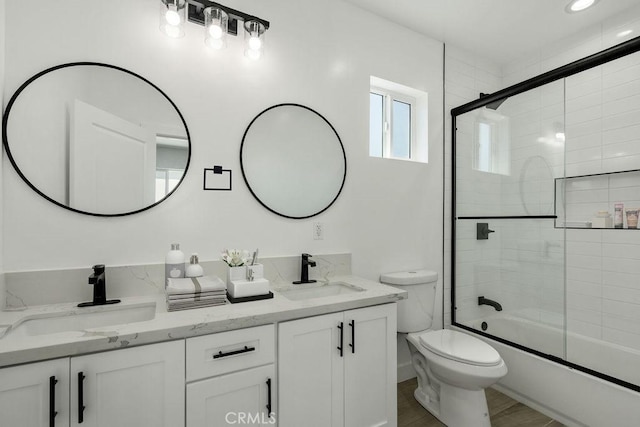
227 399
216 354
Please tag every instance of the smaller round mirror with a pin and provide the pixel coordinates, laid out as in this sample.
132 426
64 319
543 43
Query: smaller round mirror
293 161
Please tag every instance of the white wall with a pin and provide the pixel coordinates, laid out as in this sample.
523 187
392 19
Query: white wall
320 54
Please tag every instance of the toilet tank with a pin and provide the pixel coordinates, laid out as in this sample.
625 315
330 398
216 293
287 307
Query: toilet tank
416 312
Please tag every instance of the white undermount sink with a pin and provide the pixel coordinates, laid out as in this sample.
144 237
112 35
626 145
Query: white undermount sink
319 290
79 319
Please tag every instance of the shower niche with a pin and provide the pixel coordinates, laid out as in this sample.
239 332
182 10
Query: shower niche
588 201
538 161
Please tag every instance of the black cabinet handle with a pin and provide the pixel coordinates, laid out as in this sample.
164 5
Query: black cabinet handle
52 401
269 397
341 337
231 353
81 378
353 336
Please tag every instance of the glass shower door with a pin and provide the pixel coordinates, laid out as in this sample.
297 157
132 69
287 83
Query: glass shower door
508 254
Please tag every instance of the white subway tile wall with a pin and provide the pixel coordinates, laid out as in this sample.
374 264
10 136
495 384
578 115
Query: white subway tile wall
523 264
466 76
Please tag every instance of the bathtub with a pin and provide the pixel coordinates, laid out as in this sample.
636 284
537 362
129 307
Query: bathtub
569 395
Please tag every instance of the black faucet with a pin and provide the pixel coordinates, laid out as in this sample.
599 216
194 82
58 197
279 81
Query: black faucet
99 281
486 301
304 270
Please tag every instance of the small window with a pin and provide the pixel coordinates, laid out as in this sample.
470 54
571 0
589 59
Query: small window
394 125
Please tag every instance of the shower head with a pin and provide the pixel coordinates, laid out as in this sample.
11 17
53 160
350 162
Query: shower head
495 104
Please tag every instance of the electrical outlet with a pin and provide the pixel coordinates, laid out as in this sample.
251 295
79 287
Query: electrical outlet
318 231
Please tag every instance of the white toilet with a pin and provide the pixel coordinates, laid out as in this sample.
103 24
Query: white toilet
453 368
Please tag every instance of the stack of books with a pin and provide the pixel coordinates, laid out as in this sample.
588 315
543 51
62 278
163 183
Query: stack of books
195 292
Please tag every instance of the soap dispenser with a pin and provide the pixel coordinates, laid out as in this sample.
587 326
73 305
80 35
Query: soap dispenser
173 264
194 269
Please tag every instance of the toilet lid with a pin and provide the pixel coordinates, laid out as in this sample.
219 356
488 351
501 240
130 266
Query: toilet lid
460 347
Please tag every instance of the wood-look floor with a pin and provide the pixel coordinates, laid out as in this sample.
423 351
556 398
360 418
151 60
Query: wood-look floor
504 411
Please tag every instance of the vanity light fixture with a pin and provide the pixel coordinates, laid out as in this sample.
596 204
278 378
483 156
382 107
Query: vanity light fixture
254 39
216 24
218 21
173 17
579 5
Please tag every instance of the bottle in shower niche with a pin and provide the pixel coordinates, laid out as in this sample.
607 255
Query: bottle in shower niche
173 264
618 212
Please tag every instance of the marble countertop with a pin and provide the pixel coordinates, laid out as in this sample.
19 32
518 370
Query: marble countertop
17 347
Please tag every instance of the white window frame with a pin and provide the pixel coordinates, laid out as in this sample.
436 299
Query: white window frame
166 172
388 97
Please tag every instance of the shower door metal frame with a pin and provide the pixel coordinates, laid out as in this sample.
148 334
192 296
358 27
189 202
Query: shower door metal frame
591 61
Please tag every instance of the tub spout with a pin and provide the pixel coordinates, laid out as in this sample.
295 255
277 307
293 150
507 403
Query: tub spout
486 301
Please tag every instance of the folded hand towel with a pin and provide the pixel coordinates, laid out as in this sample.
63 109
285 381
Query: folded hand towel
172 300
201 295
194 285
194 305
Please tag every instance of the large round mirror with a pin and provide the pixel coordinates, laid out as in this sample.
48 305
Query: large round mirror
293 161
96 139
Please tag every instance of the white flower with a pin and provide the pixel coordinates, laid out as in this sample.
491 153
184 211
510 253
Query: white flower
235 257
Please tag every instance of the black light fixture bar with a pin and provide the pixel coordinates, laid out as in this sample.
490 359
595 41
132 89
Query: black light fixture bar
195 14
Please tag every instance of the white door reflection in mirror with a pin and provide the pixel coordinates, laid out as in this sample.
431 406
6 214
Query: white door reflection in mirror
112 162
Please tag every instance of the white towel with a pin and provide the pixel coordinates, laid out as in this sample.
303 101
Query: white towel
194 285
193 306
191 298
201 295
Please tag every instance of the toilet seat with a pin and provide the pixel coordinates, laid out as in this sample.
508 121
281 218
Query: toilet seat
460 347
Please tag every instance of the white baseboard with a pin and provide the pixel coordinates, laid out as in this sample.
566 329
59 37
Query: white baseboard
406 372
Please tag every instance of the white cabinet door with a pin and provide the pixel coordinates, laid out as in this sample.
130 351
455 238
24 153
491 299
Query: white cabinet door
321 386
139 386
310 374
34 395
370 372
243 398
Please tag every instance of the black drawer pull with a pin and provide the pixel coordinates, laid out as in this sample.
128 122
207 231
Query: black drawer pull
81 378
269 397
231 353
52 401
353 336
341 337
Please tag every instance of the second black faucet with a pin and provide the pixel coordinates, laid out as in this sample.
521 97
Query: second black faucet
304 270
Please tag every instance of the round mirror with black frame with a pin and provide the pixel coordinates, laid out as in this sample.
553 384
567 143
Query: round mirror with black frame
293 161
96 139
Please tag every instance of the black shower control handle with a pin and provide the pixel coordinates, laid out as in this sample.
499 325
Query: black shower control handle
482 231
